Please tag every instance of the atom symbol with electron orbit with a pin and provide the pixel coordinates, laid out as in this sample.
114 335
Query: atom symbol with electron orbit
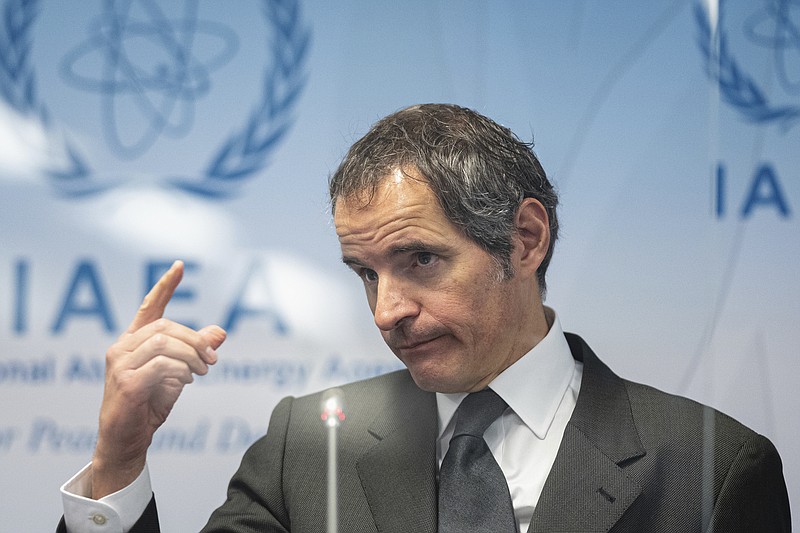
151 67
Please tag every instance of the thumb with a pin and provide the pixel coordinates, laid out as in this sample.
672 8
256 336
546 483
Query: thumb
215 335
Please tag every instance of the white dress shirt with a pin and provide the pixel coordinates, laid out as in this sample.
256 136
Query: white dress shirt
115 513
540 389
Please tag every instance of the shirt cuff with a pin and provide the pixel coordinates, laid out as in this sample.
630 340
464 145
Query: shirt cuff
115 513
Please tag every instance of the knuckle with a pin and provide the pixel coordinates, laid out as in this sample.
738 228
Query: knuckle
160 324
161 363
147 302
113 353
159 342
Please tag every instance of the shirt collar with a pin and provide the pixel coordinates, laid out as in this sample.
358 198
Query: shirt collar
533 386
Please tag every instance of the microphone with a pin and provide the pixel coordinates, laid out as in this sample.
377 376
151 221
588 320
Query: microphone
333 407
332 416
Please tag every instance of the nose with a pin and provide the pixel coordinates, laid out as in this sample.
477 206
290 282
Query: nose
394 303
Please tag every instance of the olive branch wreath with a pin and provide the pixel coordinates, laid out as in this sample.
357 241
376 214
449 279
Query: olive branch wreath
242 154
736 86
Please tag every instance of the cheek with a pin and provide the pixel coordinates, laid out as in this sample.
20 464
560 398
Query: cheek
463 313
490 309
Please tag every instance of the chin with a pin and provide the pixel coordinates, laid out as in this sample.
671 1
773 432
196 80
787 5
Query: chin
433 382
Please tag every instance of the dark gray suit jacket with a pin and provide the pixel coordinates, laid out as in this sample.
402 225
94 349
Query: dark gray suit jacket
633 459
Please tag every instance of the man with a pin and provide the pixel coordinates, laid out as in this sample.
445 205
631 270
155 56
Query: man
450 222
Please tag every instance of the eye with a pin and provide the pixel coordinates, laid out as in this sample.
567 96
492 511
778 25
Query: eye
426 258
368 275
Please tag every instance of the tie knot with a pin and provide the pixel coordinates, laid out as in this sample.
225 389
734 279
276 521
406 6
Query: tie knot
477 412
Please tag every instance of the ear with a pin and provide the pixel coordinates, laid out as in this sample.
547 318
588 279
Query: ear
532 237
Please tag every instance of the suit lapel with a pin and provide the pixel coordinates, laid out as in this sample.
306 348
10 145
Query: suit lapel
398 473
588 489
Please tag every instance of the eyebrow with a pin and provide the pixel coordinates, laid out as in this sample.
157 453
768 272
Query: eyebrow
351 261
401 248
414 246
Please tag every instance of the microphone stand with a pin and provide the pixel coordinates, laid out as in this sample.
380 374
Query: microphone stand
333 416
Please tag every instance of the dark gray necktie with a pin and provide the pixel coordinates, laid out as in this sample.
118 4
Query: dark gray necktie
473 493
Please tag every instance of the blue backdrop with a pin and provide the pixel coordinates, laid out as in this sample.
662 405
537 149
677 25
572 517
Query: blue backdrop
136 132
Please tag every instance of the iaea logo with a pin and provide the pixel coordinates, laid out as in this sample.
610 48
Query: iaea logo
160 88
750 36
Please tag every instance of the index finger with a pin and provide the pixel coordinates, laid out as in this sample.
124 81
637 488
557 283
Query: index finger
156 301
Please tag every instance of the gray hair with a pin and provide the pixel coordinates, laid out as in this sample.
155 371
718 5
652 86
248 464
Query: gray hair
479 171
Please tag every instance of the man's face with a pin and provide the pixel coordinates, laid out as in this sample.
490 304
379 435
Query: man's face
436 296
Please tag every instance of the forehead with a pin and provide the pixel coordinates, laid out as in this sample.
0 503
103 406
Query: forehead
403 204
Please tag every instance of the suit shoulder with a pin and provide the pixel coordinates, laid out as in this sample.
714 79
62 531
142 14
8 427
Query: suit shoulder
658 413
384 393
692 448
660 417
397 382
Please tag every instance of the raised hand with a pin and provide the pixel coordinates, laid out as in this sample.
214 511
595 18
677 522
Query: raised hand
146 370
